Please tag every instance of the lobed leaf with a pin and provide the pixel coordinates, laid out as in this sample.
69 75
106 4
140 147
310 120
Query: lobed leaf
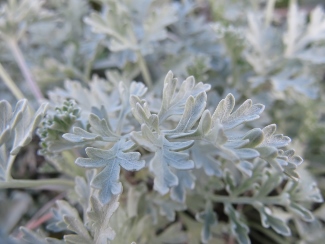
186 180
269 220
25 127
209 218
166 154
173 103
238 228
246 112
99 216
107 181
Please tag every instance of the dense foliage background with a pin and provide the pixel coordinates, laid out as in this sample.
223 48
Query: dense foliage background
81 57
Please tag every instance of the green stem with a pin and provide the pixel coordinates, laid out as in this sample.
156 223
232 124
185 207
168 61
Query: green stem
48 184
10 83
19 57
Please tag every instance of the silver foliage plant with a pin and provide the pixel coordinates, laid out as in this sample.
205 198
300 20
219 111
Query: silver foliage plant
164 161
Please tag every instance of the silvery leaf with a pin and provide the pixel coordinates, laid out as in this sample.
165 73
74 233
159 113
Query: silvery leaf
107 180
166 154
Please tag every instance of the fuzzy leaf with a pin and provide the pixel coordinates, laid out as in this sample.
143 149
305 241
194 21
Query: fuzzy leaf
31 237
246 112
99 216
166 154
173 103
80 135
168 208
83 190
6 113
194 108
142 113
25 127
67 218
301 211
100 130
107 181
269 220
209 218
204 156
101 127
185 180
16 128
238 228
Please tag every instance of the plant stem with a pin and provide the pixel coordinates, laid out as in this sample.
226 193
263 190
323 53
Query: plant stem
247 200
47 184
9 166
144 70
142 62
269 12
19 57
10 83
